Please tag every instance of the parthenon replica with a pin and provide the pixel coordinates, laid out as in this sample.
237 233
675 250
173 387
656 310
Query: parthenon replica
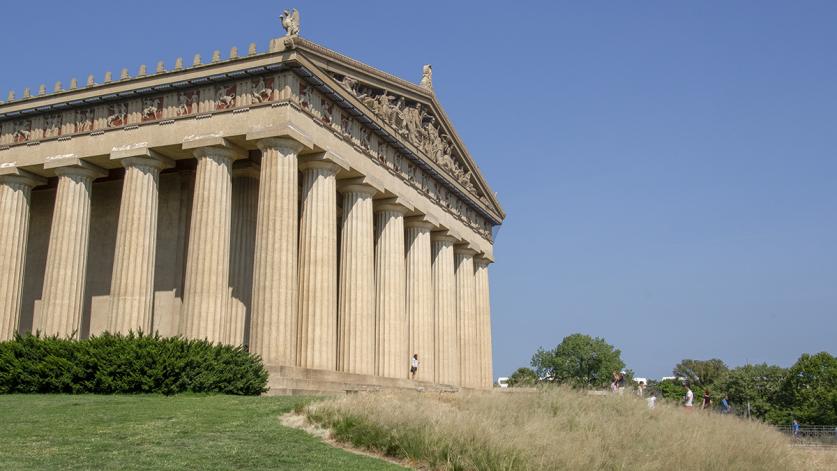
318 211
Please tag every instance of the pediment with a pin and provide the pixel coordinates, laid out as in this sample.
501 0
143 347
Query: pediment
411 114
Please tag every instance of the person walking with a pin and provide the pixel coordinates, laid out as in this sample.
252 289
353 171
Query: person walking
689 398
414 365
652 401
614 382
707 400
640 388
725 407
795 428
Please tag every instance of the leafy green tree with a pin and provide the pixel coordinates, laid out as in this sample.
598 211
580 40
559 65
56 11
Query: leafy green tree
580 361
523 377
701 372
808 392
755 385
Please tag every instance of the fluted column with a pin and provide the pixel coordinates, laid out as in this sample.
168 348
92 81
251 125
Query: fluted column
466 317
318 266
274 326
132 283
356 314
245 197
419 296
444 304
392 339
15 193
206 291
483 308
66 264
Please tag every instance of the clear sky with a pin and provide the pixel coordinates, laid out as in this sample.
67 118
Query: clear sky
669 169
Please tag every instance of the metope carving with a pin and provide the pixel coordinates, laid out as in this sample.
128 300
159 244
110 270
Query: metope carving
152 108
225 96
52 125
187 102
22 131
84 120
117 115
262 89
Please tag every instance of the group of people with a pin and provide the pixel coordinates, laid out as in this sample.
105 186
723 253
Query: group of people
617 385
706 403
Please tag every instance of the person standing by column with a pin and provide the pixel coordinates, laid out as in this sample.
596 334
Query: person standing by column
414 365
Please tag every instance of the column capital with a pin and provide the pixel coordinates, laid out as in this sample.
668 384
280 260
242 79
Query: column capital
324 160
212 145
71 164
283 135
362 185
422 221
16 175
464 249
443 236
246 168
482 260
285 144
140 155
399 205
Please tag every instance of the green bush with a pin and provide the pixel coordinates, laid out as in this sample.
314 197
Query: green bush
133 363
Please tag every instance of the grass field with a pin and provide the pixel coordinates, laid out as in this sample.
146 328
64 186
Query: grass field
157 432
557 429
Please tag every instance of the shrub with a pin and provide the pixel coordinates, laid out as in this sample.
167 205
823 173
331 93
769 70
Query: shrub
133 363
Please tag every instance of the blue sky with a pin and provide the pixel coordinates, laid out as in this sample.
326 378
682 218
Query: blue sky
669 169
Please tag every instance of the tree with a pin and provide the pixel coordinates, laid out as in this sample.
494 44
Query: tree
808 392
523 377
580 361
755 385
701 372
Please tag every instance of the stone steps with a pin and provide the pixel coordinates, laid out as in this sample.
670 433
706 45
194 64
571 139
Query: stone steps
288 380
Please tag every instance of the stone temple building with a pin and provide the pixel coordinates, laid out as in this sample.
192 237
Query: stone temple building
317 210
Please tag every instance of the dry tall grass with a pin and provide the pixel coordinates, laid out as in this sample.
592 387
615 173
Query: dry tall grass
553 429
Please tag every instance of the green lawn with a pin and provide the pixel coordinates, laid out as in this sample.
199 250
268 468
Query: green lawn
157 432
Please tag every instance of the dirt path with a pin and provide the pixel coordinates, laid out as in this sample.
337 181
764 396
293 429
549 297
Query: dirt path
297 421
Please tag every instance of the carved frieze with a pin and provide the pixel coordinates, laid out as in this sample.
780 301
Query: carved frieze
415 124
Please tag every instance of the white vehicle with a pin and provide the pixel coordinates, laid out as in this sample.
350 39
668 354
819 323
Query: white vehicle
503 382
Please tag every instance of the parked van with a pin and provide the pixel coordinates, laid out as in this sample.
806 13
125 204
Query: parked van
503 382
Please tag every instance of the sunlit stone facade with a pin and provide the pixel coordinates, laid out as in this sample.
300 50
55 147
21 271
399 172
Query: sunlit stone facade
321 212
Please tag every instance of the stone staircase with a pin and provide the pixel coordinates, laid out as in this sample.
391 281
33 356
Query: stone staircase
289 380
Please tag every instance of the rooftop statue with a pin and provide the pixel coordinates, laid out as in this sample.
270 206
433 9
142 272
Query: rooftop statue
427 77
290 21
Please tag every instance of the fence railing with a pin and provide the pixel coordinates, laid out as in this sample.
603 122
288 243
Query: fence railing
811 435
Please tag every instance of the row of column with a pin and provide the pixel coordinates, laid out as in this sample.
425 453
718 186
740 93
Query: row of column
403 289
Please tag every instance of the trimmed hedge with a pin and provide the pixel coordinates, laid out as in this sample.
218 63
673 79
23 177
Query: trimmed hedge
133 363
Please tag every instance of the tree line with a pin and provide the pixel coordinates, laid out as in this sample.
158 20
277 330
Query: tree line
807 391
